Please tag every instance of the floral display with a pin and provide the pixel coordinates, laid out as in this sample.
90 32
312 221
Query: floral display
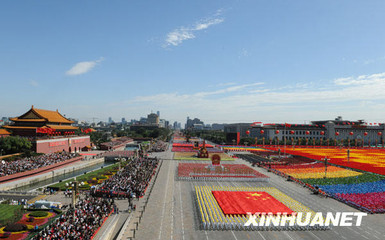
28 221
374 201
316 171
362 190
367 159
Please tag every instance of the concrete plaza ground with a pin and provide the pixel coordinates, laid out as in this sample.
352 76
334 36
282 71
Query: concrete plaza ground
171 214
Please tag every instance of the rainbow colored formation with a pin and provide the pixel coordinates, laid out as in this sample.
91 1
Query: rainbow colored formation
363 190
370 160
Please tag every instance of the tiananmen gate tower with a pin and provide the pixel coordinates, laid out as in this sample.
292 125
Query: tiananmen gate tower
49 131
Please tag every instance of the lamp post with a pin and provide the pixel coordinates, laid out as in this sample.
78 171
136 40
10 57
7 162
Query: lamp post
326 164
75 188
348 152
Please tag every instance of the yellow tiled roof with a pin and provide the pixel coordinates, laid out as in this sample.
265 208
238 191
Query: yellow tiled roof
62 127
19 127
4 132
27 120
52 116
41 115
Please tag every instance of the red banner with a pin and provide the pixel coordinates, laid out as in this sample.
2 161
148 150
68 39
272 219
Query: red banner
55 144
240 202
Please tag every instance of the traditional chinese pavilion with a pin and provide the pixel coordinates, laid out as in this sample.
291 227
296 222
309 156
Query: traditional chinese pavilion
39 122
49 131
4 133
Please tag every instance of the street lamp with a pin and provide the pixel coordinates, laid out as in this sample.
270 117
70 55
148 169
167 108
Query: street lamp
75 189
326 164
348 152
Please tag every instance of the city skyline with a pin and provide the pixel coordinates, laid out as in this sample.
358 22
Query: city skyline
219 61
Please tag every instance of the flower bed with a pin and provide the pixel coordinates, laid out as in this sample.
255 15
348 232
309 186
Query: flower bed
373 201
22 228
368 187
343 184
366 177
371 160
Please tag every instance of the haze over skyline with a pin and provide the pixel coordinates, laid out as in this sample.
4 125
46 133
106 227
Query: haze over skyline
220 61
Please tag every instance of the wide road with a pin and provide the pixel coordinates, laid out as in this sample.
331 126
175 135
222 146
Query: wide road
171 213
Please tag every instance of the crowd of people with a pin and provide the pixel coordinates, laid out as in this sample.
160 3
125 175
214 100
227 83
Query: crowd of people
30 163
131 181
78 223
159 146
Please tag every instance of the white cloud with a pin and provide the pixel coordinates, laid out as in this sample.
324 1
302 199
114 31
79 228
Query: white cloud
177 36
361 80
83 67
243 53
225 84
33 83
249 102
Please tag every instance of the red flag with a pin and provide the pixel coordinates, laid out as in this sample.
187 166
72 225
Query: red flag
240 202
287 125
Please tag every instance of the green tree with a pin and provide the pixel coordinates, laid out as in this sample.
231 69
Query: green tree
248 140
98 137
15 144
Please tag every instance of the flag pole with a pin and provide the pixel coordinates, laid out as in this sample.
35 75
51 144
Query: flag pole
284 140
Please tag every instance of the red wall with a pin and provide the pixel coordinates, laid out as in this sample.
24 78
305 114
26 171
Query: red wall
68 144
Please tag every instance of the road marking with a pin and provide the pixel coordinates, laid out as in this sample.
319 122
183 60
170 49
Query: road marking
317 236
181 209
234 235
164 203
261 235
364 236
172 206
288 235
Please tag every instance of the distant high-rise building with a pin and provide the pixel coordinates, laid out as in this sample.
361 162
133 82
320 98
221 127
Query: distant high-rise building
109 120
162 123
153 119
218 126
190 122
124 121
158 113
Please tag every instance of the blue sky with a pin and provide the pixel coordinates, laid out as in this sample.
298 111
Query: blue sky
220 61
